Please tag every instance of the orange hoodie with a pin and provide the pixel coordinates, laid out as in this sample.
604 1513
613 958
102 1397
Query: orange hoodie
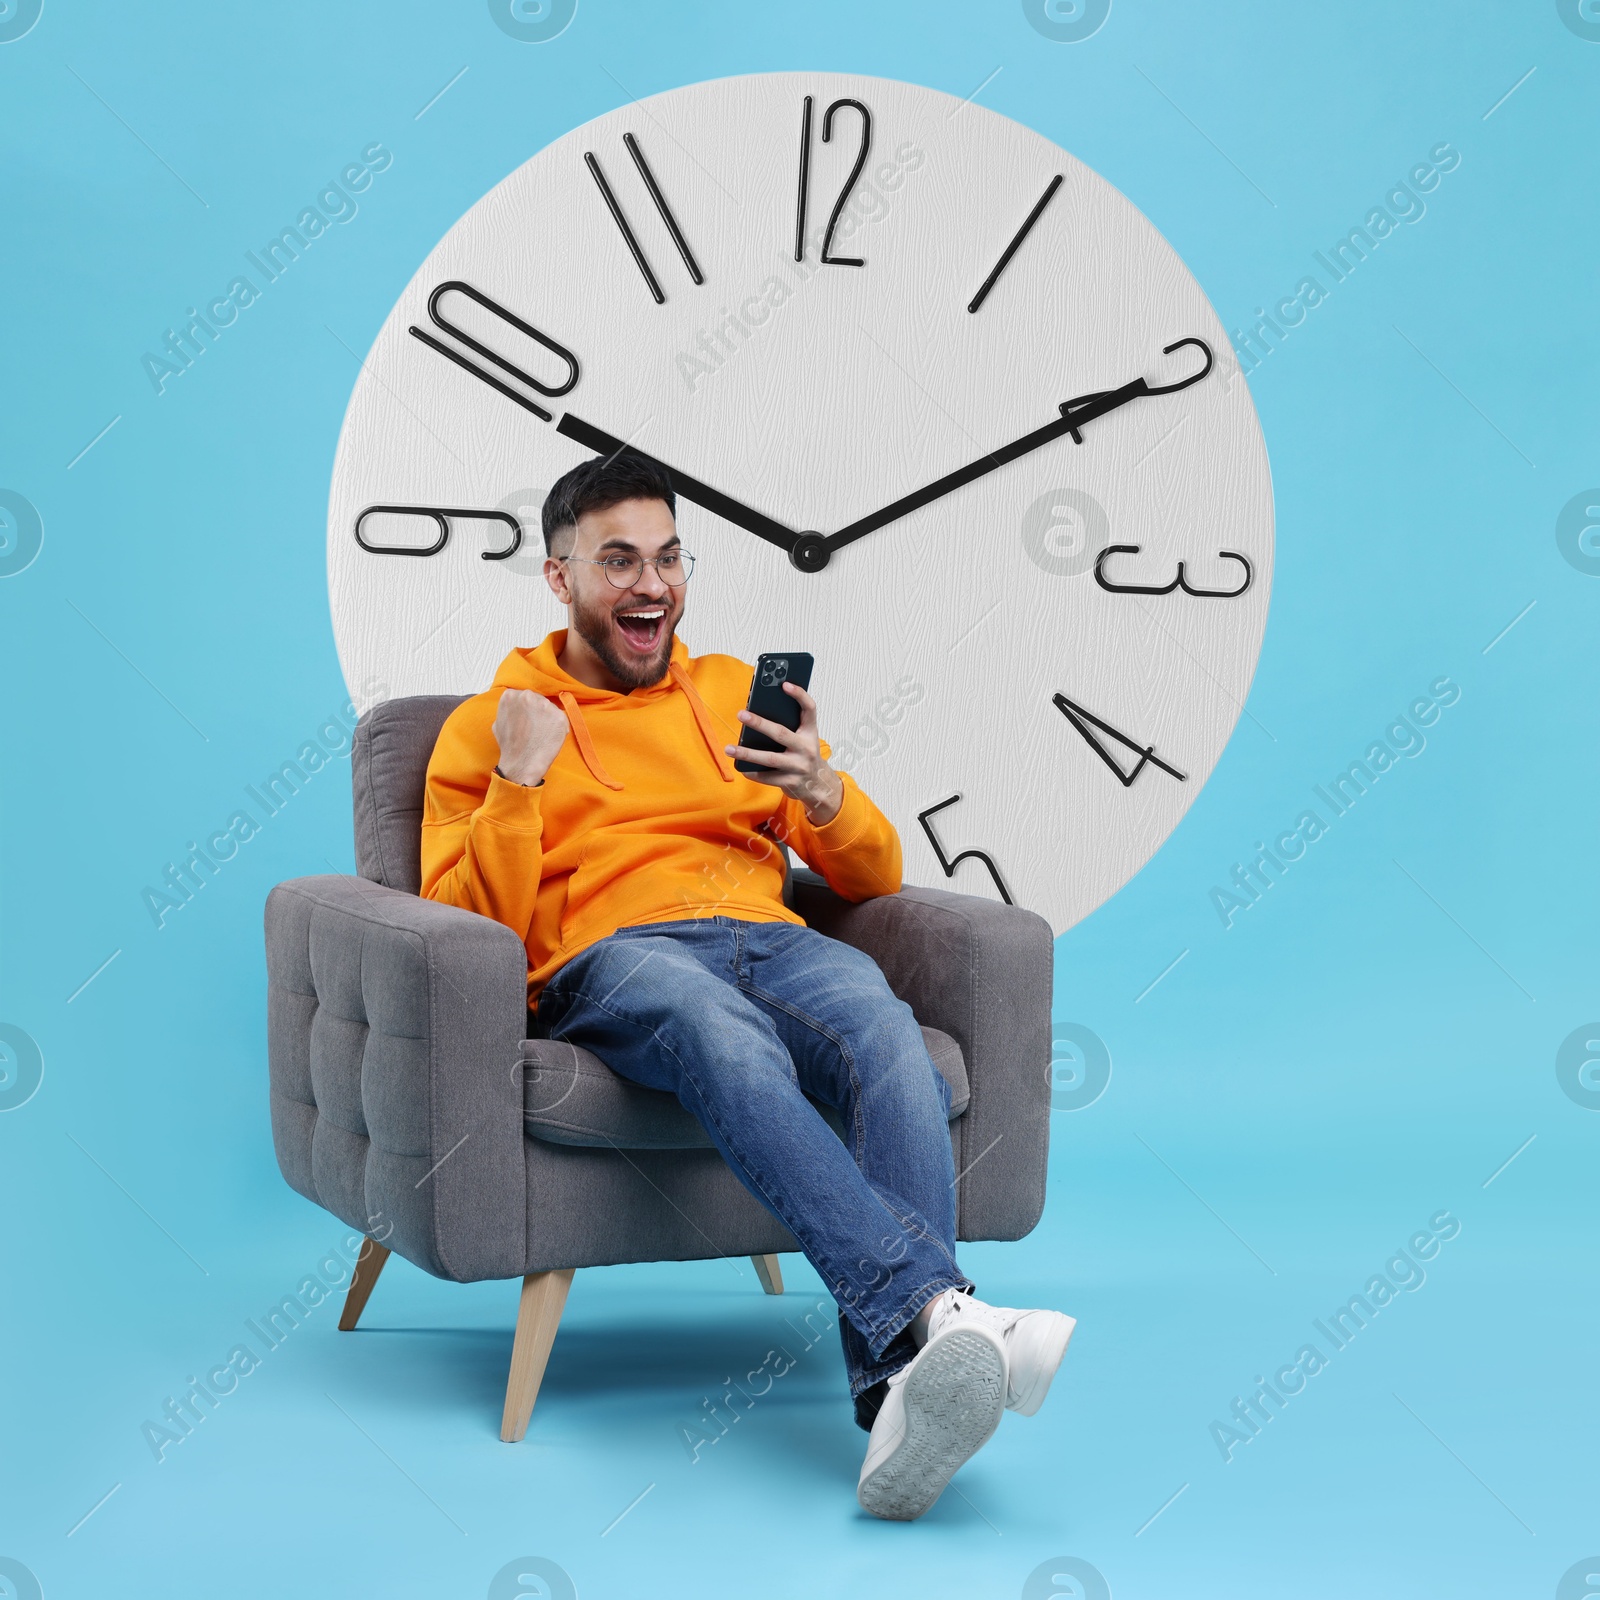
641 817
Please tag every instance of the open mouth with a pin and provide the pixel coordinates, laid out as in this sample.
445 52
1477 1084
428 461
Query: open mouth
642 627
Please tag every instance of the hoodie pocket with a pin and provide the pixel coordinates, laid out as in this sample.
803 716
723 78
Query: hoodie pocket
580 884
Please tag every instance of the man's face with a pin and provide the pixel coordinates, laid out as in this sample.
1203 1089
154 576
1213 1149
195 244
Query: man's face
629 630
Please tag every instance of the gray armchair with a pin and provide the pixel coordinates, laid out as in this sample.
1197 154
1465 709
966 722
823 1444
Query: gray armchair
412 1097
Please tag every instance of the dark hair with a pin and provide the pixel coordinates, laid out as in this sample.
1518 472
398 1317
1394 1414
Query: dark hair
598 484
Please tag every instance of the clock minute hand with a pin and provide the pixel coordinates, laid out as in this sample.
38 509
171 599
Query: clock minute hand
1089 406
702 494
1075 415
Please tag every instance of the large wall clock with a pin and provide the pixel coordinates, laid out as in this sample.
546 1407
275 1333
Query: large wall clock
943 408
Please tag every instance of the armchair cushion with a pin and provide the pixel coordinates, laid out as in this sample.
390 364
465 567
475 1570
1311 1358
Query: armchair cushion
569 1096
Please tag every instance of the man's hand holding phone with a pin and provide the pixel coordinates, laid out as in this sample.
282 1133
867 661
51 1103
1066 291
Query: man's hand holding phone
798 768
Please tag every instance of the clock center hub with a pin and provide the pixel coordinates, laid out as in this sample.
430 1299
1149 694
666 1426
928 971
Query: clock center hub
810 552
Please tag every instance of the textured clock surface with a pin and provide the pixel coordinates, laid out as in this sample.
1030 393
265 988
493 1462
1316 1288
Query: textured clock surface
816 393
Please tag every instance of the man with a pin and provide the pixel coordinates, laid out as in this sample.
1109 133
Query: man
589 801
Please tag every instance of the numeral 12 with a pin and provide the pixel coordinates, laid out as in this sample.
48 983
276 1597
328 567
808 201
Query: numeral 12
844 193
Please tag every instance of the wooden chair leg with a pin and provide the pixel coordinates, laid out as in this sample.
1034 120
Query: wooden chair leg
544 1295
368 1265
770 1274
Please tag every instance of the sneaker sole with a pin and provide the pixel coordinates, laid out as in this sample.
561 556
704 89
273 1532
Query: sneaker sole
1044 1353
953 1403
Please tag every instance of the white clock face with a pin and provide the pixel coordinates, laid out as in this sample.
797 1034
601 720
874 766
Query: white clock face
973 645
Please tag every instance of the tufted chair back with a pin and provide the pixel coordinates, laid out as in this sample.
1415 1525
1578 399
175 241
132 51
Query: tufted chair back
388 768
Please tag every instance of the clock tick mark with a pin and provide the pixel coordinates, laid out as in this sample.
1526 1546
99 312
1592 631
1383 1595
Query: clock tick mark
1021 234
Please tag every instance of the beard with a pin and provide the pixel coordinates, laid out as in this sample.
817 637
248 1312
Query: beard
596 625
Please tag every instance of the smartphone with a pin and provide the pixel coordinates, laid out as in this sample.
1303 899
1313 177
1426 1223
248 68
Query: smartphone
769 699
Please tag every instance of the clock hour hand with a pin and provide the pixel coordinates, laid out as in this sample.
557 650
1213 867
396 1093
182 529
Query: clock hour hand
1076 414
702 494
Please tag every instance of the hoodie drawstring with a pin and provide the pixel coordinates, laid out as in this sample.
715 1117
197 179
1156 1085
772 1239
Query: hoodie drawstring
580 732
702 717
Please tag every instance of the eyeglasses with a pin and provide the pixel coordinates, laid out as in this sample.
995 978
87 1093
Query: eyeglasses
623 571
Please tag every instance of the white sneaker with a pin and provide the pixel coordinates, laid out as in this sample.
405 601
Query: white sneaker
939 1410
1035 1342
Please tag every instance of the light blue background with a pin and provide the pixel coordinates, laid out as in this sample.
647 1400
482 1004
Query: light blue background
1298 1095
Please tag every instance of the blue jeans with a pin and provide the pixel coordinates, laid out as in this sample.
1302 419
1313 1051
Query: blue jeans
741 1021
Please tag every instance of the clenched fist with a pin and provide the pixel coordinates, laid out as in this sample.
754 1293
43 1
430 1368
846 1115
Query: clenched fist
530 730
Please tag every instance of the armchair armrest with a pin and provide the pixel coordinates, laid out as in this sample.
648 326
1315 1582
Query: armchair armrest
394 1034
981 972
